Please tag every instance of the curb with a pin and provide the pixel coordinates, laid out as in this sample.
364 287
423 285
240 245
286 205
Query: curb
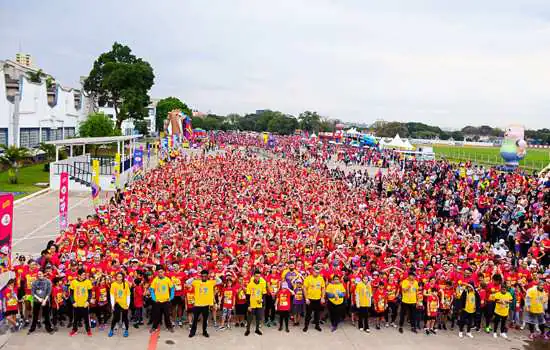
35 194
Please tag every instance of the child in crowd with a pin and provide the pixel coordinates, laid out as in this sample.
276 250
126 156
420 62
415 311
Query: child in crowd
432 307
58 302
298 301
9 305
229 294
283 304
380 303
138 303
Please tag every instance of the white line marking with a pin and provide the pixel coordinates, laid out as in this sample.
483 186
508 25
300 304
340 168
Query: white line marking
47 223
34 237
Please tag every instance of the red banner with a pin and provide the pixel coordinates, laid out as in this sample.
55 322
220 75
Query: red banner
6 225
63 201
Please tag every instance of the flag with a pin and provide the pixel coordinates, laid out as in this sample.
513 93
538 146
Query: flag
95 182
188 129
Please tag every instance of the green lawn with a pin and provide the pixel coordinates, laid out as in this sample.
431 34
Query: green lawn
536 159
28 176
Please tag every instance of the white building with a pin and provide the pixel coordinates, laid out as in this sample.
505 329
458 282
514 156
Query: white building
31 113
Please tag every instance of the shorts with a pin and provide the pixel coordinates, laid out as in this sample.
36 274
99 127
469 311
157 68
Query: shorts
227 312
241 309
444 311
380 314
178 300
297 308
10 313
430 318
353 308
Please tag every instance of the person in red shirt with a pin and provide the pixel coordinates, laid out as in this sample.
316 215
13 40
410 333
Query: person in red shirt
138 302
229 295
392 291
380 300
273 280
189 302
10 305
178 278
57 301
283 302
446 294
432 306
103 307
241 306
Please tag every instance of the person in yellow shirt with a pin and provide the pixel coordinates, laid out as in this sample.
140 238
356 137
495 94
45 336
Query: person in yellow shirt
335 293
363 296
162 292
469 304
81 293
502 299
120 301
409 287
255 294
204 299
536 301
314 290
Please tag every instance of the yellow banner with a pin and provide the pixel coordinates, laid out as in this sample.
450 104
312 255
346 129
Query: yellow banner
95 171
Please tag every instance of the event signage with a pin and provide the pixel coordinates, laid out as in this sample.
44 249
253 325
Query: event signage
6 226
63 201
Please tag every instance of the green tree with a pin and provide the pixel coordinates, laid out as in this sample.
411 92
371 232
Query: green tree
36 77
141 127
97 125
121 78
310 121
282 124
166 105
457 135
391 129
12 158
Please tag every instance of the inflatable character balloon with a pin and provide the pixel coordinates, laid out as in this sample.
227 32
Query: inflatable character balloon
173 123
514 147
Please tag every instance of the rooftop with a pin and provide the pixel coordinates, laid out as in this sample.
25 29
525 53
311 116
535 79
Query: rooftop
93 140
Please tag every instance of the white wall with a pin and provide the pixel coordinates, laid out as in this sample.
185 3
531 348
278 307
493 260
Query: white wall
34 110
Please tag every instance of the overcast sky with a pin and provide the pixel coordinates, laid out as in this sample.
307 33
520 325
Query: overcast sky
449 63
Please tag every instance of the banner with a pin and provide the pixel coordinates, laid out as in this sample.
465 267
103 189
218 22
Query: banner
6 226
115 178
138 158
95 182
63 201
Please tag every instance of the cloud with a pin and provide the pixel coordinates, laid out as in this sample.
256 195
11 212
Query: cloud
466 62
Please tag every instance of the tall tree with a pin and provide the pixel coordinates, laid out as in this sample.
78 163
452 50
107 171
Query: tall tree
310 121
166 105
121 78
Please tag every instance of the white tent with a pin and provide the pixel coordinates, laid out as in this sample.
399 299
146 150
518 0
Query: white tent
408 145
396 142
313 136
352 132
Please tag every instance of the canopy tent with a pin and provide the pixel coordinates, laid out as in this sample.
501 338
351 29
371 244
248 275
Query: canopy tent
408 145
352 132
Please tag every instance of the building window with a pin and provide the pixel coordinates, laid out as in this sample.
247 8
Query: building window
4 137
28 137
69 132
46 135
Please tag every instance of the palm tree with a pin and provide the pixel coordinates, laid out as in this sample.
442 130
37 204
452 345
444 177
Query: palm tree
12 157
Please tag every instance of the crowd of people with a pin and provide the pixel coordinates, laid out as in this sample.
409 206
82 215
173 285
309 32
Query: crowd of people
299 235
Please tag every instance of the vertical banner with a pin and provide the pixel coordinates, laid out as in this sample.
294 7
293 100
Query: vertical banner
6 226
95 182
63 201
138 158
115 178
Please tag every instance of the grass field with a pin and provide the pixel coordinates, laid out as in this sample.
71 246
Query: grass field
536 159
28 176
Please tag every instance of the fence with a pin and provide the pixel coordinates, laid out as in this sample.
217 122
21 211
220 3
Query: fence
489 159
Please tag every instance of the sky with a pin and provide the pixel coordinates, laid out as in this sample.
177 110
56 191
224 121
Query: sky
447 63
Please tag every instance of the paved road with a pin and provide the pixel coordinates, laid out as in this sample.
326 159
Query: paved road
348 338
36 220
